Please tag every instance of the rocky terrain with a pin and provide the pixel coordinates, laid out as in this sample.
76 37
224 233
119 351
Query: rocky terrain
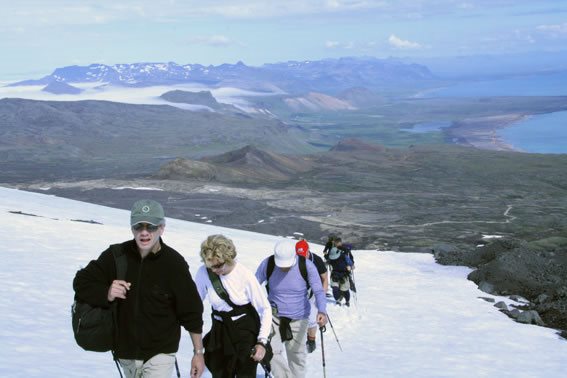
411 199
246 165
533 273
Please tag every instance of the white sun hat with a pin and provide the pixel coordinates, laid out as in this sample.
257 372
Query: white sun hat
284 252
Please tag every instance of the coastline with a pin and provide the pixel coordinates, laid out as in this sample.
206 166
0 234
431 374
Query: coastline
482 133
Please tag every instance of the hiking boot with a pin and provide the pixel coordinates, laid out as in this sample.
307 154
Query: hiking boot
310 344
338 303
347 304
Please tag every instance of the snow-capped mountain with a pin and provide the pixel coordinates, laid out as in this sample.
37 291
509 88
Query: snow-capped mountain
328 75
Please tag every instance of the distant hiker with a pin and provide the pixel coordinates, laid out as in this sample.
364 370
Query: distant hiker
302 249
156 298
288 278
341 266
330 244
346 248
242 321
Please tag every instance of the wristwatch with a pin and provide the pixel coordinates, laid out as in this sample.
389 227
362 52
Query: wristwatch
199 351
262 342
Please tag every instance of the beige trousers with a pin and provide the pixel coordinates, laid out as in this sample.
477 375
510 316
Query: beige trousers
159 366
289 359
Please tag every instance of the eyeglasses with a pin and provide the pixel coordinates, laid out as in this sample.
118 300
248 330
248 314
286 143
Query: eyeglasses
147 226
217 266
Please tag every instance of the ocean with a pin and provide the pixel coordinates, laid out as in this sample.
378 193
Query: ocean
546 133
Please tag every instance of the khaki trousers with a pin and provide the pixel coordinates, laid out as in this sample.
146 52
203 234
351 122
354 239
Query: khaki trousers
289 359
159 366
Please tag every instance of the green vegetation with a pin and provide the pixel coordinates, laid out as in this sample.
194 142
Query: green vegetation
384 123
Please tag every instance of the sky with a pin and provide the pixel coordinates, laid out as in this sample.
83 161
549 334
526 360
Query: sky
411 317
41 35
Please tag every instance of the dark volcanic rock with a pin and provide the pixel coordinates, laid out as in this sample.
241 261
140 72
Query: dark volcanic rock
508 266
519 271
356 145
245 165
476 257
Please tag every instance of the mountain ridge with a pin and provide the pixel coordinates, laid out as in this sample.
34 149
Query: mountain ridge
248 164
328 75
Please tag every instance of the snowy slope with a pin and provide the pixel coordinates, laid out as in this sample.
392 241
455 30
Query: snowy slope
414 318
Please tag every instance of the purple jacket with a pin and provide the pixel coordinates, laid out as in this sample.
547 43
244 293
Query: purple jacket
288 290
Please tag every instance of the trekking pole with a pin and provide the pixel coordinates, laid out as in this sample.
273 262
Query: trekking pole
323 329
267 370
265 365
353 288
333 329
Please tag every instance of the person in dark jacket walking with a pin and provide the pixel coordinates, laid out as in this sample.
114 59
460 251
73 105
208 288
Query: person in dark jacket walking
157 296
330 244
345 248
341 266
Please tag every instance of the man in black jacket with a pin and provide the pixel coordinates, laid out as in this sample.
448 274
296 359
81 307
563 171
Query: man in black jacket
156 298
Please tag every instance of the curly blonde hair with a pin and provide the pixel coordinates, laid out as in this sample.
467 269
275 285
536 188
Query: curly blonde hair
218 246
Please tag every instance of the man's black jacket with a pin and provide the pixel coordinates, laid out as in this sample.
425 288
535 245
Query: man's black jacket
162 297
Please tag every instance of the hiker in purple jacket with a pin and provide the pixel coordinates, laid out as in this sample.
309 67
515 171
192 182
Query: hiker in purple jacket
287 294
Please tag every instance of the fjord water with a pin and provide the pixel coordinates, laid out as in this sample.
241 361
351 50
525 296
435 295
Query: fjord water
545 133
544 84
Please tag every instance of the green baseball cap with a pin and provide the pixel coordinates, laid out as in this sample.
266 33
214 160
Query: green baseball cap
147 211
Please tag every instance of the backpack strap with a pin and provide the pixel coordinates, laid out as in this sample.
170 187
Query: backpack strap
119 260
270 267
219 288
121 267
303 269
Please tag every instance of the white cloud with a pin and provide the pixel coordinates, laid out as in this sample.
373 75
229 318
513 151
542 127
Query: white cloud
405 44
69 12
553 29
352 45
343 45
212 40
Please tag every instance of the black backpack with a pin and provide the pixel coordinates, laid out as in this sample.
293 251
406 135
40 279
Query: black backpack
94 327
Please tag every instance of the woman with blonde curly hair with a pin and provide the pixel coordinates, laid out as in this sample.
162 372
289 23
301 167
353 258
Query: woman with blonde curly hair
241 322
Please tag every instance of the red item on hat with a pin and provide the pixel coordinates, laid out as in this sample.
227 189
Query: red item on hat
301 248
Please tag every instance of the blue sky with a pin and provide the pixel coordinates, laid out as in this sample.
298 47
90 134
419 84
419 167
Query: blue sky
41 35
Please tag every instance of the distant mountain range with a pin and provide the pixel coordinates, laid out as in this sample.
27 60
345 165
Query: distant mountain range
328 75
